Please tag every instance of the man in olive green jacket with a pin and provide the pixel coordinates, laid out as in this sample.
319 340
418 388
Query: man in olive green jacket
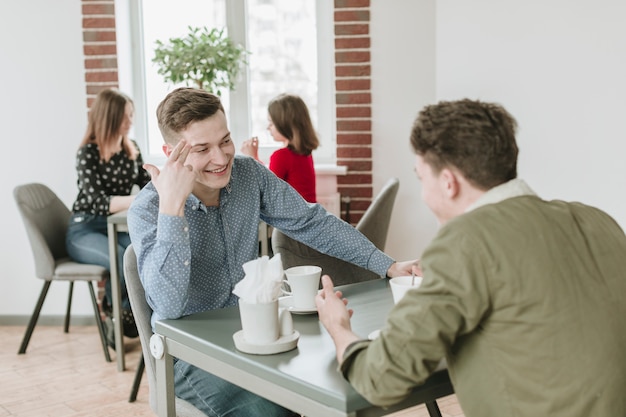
524 298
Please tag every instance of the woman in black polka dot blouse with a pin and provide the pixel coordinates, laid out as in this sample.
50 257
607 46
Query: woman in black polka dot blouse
109 165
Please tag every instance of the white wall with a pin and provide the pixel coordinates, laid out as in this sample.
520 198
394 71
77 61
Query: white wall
557 66
403 81
43 118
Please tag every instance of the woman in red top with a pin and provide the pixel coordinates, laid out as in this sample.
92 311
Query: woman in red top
290 124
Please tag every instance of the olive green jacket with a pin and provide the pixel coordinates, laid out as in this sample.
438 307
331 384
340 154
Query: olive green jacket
525 299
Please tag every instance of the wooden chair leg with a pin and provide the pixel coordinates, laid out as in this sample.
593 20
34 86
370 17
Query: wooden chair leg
99 323
34 317
137 381
433 409
66 325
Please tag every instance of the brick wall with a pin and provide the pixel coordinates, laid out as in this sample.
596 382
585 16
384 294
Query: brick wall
354 103
100 49
99 46
352 83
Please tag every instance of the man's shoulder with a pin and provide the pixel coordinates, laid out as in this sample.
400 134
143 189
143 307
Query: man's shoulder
146 197
247 167
245 162
521 214
490 218
507 205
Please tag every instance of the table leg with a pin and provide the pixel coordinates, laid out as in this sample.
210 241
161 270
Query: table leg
117 297
166 401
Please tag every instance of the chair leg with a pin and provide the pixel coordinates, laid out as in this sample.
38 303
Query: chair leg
99 324
66 326
34 317
433 409
137 381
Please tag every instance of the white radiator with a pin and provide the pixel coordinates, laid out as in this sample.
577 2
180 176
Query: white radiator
331 202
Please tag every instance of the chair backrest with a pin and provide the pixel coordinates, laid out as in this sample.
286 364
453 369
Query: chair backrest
142 313
294 253
374 225
46 218
375 221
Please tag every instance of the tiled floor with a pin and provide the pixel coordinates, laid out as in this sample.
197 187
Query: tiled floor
65 375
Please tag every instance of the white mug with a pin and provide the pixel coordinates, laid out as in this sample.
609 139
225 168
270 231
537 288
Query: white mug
400 285
264 323
304 282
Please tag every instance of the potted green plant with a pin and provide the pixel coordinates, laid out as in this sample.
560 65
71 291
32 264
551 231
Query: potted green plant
207 58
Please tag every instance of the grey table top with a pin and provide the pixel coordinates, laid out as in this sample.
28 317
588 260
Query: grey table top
311 368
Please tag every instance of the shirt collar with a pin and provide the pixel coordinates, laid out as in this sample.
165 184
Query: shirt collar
513 188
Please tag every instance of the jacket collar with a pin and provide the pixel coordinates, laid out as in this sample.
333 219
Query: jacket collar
513 188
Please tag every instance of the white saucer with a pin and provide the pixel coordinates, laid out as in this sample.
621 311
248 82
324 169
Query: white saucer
374 334
283 344
287 302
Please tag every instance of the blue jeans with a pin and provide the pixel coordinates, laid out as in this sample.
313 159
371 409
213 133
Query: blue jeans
87 242
218 398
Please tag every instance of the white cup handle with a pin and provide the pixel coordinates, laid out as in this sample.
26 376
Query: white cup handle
284 290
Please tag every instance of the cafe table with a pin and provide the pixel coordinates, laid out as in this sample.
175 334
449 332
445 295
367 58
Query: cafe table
304 379
116 222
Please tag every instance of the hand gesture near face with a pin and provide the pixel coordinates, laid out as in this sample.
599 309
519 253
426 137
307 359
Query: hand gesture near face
175 181
250 147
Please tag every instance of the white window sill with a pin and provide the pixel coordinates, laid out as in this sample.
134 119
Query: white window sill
330 169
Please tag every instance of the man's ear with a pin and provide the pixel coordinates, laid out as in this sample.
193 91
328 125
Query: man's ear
450 183
167 149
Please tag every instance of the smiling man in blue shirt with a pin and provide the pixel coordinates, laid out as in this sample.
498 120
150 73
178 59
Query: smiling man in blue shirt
196 224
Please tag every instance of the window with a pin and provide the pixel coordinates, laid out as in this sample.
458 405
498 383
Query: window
284 38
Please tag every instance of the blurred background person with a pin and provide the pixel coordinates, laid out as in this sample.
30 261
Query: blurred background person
290 124
108 166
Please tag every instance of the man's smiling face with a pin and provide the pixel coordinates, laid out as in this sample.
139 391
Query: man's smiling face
212 151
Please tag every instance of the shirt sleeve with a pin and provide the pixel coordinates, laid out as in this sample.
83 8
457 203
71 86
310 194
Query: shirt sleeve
284 208
424 326
164 254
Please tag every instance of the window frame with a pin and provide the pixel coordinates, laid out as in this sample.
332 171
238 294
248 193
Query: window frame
131 70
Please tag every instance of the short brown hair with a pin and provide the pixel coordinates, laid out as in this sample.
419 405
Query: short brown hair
182 107
291 118
477 138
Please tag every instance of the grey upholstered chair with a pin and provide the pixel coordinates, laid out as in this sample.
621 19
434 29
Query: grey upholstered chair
46 218
142 314
374 225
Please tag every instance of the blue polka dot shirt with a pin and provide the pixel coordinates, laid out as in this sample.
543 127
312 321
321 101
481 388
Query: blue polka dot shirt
191 264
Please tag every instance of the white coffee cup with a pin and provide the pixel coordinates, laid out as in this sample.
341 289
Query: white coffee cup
304 282
400 285
264 323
